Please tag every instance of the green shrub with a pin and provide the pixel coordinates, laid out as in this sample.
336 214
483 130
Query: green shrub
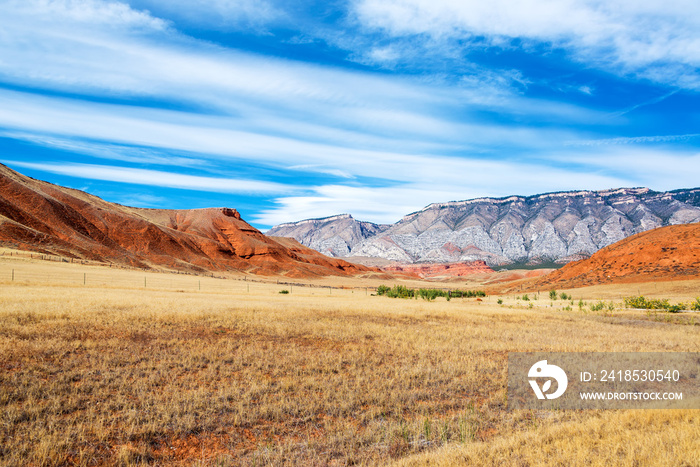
432 294
526 298
499 301
401 291
284 291
654 304
695 306
553 294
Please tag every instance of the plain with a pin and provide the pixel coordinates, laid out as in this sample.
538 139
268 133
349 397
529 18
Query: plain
105 366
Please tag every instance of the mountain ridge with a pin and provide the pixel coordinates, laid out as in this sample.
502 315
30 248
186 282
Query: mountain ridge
554 226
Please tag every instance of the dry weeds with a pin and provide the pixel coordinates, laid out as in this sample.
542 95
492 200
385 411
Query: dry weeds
126 375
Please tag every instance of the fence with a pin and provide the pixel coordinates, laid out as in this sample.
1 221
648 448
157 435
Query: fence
34 273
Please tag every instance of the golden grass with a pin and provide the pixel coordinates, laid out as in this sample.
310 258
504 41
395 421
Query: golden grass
603 438
120 374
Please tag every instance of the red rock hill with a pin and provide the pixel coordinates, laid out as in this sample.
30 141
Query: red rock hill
42 217
666 253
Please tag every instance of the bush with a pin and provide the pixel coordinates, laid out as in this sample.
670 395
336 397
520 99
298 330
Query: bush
383 289
284 291
431 294
553 294
564 296
499 301
695 306
401 291
526 298
654 304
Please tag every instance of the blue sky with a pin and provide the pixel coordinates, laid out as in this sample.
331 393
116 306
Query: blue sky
293 110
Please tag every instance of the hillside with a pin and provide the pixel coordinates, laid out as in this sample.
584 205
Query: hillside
663 254
559 227
46 218
440 270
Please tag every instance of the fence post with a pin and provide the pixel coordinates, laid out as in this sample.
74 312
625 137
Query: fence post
13 275
84 278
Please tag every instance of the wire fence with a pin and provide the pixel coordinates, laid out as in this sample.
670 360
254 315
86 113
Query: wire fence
56 274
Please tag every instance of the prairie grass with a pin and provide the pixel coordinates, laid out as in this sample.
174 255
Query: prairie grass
94 375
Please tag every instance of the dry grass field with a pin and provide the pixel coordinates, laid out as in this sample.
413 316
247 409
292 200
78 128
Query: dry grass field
97 369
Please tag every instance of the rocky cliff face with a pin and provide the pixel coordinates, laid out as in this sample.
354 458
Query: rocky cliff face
332 236
550 227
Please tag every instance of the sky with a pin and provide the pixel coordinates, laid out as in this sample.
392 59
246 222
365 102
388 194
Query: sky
294 110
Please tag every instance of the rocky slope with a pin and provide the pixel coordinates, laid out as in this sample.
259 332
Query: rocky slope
666 253
332 236
42 217
557 227
434 271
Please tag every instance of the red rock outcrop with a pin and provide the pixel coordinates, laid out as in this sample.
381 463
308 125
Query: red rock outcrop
42 217
435 270
662 254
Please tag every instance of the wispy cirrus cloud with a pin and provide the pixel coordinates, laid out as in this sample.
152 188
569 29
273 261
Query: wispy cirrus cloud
155 178
224 15
635 140
108 151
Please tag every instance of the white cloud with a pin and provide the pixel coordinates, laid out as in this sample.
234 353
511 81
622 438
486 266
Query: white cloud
62 49
156 178
93 14
102 150
658 40
215 136
215 14
655 168
635 140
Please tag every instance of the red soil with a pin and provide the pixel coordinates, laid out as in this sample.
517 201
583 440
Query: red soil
663 254
46 218
427 271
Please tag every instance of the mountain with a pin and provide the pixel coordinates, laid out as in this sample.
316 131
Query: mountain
666 253
42 217
558 227
332 236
